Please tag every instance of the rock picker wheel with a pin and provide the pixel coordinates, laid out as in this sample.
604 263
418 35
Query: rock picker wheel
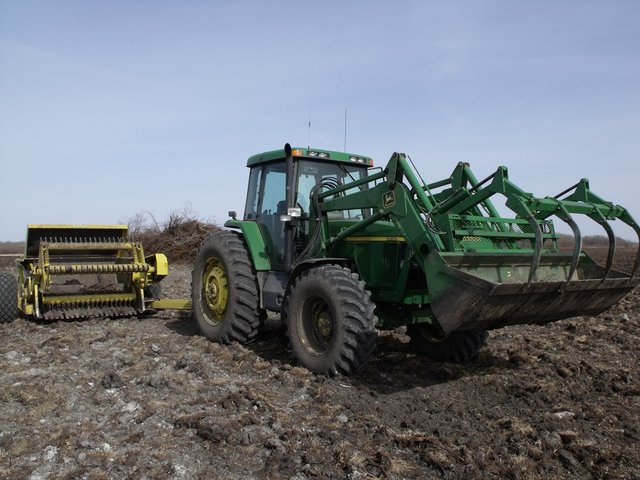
153 291
329 319
8 297
224 290
459 347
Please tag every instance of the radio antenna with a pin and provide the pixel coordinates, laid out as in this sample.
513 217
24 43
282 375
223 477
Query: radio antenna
309 126
345 129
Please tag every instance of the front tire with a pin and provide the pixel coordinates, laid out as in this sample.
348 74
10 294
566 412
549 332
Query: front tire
224 290
329 319
458 347
8 297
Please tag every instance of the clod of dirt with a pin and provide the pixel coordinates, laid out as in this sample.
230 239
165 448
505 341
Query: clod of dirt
111 380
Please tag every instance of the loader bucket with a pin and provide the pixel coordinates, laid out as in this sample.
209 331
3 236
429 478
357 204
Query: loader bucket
490 271
74 271
488 291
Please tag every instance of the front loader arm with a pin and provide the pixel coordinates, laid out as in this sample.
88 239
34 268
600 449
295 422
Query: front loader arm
424 218
390 199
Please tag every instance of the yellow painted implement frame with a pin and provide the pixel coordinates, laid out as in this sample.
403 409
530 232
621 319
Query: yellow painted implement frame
76 271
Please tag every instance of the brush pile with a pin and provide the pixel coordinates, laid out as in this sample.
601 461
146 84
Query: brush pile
179 237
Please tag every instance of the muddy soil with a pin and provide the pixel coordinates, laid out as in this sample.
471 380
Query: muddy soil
148 397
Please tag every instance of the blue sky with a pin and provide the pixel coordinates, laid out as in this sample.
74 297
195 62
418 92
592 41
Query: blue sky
112 108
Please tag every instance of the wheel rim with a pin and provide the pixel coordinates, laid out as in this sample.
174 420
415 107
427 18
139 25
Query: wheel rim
317 326
215 291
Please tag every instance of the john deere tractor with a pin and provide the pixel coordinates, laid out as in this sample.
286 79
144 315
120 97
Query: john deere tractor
340 248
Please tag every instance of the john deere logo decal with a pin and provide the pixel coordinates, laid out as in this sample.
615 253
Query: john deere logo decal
388 200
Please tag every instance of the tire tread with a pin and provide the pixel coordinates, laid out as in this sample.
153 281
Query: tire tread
243 323
460 347
8 297
358 320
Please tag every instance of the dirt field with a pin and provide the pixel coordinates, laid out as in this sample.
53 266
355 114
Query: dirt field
149 398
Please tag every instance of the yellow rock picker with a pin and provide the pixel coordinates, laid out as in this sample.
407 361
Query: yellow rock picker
78 271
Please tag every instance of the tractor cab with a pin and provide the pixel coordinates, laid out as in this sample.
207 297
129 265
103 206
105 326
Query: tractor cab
279 196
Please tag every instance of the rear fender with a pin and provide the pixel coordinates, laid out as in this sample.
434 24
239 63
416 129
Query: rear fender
255 243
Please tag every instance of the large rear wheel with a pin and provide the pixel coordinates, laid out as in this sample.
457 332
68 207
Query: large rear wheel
459 347
224 290
329 319
8 297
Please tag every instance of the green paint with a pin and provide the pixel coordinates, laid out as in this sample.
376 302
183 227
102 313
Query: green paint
438 254
255 242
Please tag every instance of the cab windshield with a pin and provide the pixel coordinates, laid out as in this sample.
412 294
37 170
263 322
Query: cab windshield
311 173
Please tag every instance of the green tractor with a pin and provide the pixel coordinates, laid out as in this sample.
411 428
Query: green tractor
340 248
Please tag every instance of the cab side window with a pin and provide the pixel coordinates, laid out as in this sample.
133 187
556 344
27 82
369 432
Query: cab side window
265 204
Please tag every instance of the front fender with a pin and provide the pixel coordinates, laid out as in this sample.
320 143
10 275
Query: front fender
314 262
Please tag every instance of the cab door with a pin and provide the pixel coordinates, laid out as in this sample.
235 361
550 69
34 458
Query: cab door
266 203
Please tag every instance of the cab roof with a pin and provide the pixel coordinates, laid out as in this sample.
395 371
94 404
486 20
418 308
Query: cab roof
311 153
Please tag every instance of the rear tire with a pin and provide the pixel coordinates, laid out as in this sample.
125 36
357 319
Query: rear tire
459 347
8 297
224 290
329 320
